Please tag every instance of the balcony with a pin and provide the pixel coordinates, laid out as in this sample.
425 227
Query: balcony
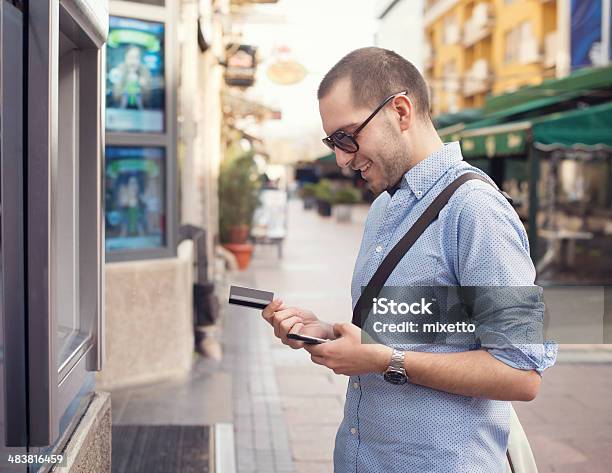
477 78
479 25
550 49
529 51
452 34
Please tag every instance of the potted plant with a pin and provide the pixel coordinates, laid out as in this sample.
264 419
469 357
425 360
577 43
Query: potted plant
344 199
307 192
238 198
324 197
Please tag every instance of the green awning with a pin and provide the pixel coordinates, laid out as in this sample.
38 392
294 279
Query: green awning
501 140
584 127
586 79
451 133
590 126
467 115
592 86
527 110
328 158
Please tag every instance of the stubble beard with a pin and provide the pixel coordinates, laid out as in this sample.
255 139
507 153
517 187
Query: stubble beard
393 165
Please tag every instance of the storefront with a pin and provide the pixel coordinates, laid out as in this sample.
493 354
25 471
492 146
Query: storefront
558 169
52 239
548 146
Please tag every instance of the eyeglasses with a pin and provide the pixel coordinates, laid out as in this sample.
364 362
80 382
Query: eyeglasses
346 141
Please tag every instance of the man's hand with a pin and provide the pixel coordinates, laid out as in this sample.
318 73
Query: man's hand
287 320
347 355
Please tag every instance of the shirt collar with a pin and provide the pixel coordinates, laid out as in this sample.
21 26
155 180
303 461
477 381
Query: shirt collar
425 174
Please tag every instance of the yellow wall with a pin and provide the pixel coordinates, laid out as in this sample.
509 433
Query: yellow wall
504 77
442 55
543 18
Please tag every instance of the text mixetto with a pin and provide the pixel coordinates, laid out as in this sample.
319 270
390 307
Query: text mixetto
413 327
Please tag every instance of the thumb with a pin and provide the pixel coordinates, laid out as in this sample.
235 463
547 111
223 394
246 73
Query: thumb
339 329
297 328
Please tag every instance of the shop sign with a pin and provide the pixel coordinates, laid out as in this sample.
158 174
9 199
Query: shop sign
241 65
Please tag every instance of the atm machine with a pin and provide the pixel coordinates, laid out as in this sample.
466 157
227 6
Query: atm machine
51 224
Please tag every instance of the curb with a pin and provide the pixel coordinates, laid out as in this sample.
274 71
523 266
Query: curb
222 451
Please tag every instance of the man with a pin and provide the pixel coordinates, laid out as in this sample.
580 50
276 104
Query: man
453 413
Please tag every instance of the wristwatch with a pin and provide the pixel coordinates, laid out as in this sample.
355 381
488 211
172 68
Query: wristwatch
395 373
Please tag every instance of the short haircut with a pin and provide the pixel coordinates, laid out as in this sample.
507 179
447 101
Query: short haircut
376 73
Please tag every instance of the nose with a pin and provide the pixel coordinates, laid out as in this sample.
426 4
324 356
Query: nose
343 159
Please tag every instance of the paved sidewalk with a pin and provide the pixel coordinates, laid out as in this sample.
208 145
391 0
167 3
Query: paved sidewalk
314 273
569 424
285 410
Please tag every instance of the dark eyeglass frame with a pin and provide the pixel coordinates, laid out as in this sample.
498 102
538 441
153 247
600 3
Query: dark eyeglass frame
335 139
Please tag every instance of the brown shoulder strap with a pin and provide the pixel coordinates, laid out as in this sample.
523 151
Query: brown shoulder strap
388 264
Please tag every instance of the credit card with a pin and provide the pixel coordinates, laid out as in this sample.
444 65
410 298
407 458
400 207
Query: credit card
248 297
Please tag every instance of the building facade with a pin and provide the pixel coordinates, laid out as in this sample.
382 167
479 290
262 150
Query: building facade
477 47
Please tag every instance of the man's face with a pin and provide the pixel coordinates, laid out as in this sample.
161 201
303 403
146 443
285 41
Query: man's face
382 159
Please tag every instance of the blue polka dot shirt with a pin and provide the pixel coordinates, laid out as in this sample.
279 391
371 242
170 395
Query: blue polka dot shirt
478 240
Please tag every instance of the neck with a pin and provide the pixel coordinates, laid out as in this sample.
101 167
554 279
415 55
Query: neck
428 142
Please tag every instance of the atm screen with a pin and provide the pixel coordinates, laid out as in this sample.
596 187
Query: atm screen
135 89
135 197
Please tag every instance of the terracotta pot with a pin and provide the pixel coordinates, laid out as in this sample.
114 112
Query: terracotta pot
242 252
239 234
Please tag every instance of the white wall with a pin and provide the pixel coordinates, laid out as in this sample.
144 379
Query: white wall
401 30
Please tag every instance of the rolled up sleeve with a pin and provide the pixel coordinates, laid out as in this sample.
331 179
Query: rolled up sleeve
495 268
536 357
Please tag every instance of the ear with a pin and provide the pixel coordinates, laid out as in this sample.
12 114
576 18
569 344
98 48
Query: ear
404 110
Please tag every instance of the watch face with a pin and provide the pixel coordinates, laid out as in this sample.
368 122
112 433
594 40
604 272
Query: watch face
395 377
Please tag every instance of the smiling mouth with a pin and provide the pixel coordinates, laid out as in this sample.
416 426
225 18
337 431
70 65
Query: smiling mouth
364 169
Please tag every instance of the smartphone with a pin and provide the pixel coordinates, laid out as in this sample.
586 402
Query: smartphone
306 338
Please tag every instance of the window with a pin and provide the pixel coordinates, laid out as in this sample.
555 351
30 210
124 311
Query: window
451 80
520 44
511 52
451 30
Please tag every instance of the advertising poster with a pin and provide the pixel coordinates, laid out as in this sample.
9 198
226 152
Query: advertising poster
587 33
241 65
135 197
135 89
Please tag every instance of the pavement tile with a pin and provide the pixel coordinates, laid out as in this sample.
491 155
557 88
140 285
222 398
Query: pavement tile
314 467
312 442
296 384
308 410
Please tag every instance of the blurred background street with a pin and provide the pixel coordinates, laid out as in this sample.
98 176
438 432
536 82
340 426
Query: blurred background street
154 152
286 410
